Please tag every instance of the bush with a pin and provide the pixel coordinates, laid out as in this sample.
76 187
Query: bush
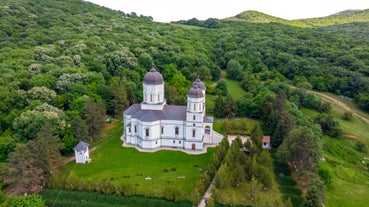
348 115
326 174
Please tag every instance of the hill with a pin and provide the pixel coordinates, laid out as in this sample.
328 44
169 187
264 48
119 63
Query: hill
344 17
66 64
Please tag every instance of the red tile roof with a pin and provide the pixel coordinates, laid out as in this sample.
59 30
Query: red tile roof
266 139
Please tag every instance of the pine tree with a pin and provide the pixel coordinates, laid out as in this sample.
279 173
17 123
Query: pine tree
95 118
219 109
21 173
229 107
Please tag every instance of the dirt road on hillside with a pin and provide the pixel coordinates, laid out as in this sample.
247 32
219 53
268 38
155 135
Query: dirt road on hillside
341 104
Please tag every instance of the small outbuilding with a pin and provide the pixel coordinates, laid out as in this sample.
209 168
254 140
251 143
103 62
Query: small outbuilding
266 142
81 152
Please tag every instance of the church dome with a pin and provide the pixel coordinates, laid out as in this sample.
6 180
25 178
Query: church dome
199 84
153 77
195 92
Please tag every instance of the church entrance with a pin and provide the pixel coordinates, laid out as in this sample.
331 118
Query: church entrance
193 146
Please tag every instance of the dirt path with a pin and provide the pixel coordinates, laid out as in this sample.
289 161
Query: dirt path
206 195
341 104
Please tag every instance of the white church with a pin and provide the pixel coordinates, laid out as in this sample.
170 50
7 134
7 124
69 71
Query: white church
154 124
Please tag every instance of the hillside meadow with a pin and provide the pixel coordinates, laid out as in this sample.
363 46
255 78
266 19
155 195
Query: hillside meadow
347 159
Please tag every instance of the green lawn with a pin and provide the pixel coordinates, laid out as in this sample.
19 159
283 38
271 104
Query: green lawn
234 88
250 124
122 165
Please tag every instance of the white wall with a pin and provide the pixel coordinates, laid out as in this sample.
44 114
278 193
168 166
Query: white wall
156 91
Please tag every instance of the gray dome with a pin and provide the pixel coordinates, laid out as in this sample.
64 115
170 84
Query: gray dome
195 92
199 84
153 77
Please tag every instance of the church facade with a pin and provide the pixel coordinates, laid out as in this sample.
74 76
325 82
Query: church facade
155 124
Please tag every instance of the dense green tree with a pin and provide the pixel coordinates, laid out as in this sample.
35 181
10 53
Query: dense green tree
20 172
222 86
234 69
328 125
229 107
95 118
7 145
363 101
219 110
119 102
302 148
80 129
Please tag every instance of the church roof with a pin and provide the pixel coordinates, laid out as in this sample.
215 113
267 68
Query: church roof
208 119
195 92
169 112
266 139
81 146
199 83
153 77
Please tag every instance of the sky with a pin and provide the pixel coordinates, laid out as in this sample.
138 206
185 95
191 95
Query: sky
174 10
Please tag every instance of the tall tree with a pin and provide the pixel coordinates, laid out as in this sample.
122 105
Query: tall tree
95 118
219 110
21 173
119 101
302 148
79 128
229 107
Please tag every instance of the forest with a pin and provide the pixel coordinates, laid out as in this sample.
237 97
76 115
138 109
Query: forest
68 66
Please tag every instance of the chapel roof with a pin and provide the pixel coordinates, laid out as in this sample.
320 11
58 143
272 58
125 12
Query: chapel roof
81 146
153 77
199 83
266 139
195 92
169 112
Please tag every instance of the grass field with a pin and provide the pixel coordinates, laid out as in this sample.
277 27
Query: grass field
350 184
250 124
122 165
234 88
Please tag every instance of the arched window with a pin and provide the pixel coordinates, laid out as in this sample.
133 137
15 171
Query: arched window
147 132
194 133
194 107
176 131
194 117
150 97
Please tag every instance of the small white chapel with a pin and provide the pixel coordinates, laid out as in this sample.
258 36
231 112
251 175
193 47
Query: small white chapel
154 124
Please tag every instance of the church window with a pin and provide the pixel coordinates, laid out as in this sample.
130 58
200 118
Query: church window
156 142
158 97
147 132
193 124
194 107
129 129
174 141
135 128
150 97
194 133
162 130
203 106
177 130
194 117
189 107
180 142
